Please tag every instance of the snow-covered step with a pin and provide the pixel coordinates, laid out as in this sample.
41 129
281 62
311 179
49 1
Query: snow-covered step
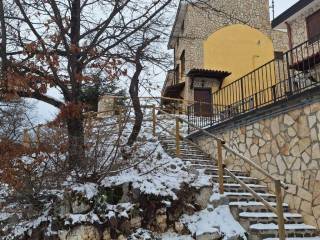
260 231
233 187
248 219
245 196
228 179
296 238
252 206
214 171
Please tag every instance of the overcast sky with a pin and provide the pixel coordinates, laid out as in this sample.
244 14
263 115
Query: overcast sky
45 112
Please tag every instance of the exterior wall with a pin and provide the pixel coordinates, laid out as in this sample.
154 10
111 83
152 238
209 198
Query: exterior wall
238 49
280 40
200 23
299 26
286 145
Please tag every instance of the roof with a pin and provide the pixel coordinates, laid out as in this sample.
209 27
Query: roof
283 17
220 75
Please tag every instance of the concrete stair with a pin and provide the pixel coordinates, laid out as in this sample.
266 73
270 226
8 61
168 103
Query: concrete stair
259 222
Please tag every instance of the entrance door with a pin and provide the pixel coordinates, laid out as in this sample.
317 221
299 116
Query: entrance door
205 97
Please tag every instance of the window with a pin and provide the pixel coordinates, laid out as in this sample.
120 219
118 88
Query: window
176 74
183 64
182 27
313 26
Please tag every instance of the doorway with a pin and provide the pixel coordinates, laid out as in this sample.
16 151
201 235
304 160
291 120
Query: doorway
204 96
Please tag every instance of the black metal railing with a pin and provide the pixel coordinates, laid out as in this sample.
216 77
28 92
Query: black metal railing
279 79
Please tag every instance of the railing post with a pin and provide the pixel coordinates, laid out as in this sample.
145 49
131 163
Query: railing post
154 120
289 74
220 167
281 226
177 137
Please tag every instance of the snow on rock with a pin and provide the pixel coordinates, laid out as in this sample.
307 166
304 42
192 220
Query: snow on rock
73 219
219 220
174 236
88 190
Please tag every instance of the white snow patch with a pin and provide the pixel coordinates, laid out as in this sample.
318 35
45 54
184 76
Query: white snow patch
211 221
89 190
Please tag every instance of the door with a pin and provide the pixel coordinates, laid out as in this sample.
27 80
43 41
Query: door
203 99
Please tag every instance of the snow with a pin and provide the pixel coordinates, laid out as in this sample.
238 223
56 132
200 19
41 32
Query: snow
73 219
305 238
273 226
174 236
214 220
252 203
267 215
89 190
4 216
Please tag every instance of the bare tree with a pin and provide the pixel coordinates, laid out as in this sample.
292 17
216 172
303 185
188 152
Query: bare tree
61 44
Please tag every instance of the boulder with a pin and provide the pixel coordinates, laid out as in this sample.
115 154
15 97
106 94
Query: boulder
83 232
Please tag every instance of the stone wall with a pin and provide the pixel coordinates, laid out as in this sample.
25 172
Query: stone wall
299 27
286 145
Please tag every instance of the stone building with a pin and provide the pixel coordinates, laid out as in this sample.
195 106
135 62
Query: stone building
301 22
218 42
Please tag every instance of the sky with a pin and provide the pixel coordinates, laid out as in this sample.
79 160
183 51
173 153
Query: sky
44 112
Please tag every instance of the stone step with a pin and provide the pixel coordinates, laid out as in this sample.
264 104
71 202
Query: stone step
295 238
237 173
262 231
245 196
228 179
247 219
253 206
233 187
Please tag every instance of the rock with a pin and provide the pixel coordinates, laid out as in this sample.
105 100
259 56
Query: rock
303 128
209 236
306 158
312 121
288 120
106 235
135 222
254 150
121 237
80 206
161 219
315 151
202 199
304 194
179 227
306 207
281 165
62 234
84 232
291 132
275 129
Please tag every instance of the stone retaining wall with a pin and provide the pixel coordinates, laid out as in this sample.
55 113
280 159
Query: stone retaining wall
286 145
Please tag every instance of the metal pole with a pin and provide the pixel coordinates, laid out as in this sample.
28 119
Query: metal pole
281 226
177 137
220 167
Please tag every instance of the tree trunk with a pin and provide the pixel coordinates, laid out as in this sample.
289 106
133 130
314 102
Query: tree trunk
134 94
76 148
3 49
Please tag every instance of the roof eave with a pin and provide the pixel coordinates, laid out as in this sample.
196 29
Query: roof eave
283 17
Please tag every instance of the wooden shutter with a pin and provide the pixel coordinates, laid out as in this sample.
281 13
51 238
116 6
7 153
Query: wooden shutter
313 25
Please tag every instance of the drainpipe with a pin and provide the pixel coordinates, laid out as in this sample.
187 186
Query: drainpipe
289 29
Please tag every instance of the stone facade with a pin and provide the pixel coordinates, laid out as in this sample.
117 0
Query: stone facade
299 27
286 145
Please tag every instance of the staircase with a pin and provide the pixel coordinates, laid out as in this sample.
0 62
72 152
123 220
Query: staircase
258 221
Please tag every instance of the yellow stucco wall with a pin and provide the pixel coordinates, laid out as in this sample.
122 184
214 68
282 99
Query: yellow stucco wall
239 49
